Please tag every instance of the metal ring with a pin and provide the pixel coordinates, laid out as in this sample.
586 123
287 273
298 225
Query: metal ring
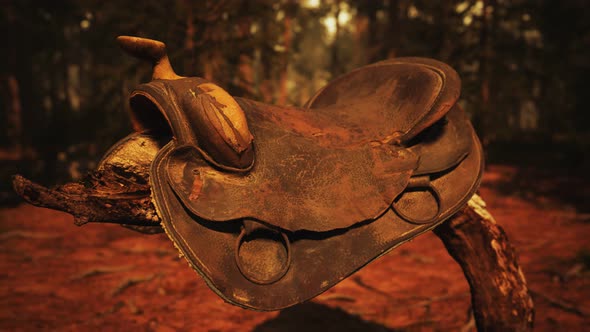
278 276
434 192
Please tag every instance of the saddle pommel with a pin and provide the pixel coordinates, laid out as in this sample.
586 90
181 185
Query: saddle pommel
198 112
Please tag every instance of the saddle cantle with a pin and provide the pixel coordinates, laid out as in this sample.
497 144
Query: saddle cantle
274 205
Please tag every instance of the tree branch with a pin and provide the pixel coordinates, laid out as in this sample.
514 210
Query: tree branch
98 200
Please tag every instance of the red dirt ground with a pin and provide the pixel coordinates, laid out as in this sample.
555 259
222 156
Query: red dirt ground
56 276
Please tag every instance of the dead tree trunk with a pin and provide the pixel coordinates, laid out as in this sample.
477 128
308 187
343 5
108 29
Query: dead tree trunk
500 298
499 293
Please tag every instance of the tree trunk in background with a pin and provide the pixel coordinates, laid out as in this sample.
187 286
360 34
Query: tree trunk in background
16 72
245 77
374 44
189 41
485 60
361 24
445 46
336 66
484 55
266 86
284 93
14 117
396 13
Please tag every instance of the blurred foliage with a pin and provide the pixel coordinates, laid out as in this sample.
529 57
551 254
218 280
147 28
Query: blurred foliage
64 83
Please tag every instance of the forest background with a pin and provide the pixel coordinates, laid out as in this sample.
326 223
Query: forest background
64 83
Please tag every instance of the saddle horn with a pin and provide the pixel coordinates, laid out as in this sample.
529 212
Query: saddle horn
150 50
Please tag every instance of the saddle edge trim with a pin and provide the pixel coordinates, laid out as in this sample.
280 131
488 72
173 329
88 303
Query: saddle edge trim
170 233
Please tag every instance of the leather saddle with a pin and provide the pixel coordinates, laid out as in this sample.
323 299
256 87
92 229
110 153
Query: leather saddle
274 205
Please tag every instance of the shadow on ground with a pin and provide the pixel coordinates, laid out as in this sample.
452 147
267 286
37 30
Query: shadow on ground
316 317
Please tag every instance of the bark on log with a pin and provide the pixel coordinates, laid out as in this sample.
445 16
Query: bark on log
103 197
499 294
500 297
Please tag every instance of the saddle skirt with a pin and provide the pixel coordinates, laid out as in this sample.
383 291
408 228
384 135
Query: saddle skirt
274 205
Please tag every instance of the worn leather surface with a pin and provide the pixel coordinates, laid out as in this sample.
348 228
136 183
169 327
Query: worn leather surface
296 182
319 259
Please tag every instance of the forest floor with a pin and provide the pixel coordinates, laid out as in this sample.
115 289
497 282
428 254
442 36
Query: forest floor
56 276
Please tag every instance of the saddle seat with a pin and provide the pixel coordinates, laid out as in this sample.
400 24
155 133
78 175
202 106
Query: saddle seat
274 205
